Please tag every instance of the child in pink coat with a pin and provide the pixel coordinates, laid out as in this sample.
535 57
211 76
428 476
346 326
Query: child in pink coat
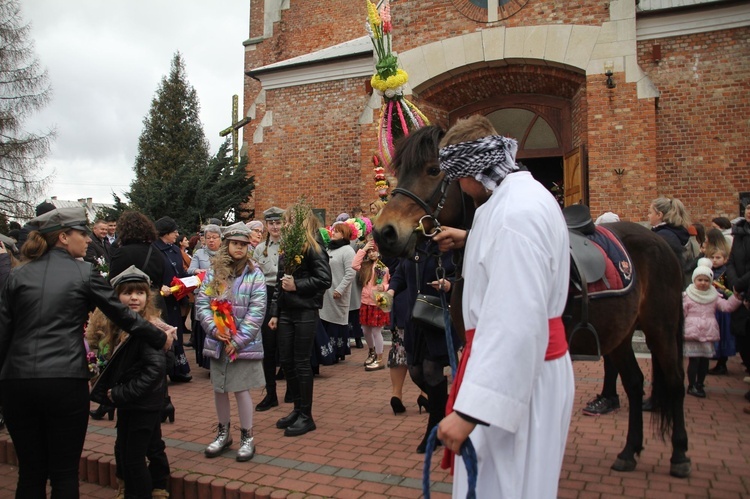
373 275
700 301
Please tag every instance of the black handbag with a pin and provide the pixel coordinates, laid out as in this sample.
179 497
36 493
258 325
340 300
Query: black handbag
428 312
428 309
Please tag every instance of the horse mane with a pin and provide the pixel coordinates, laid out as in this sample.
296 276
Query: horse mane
421 148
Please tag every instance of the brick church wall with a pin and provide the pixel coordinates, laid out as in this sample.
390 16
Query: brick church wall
621 136
313 148
703 119
690 143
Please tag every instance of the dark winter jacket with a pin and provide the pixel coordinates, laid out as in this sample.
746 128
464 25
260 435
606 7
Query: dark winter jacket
738 274
43 308
4 268
312 278
404 282
738 266
136 373
172 261
138 254
676 236
98 248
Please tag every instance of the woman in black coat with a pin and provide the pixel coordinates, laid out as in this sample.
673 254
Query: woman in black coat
738 278
43 369
135 233
295 307
166 229
426 349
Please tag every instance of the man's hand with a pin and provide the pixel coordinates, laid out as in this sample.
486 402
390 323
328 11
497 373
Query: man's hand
450 239
273 323
453 431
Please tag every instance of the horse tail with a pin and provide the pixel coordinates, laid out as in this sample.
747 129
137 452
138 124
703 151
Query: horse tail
668 397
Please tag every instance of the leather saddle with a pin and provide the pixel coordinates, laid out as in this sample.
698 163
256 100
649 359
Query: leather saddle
587 265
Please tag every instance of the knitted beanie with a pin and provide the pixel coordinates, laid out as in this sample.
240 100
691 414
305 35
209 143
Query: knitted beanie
703 268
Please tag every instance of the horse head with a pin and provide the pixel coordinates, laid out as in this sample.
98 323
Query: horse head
423 200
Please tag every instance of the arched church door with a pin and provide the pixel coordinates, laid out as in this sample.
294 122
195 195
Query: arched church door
542 126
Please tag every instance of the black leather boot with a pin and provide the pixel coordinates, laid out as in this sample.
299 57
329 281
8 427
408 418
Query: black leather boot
167 411
103 410
288 420
438 396
302 425
269 401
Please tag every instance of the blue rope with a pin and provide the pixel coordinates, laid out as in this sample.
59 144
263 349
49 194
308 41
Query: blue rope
468 453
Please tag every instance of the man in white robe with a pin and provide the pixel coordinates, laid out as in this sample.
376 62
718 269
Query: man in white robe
513 404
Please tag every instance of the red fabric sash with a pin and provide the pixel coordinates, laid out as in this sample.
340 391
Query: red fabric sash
558 343
556 348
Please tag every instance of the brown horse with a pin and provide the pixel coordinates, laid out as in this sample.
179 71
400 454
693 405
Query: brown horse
424 200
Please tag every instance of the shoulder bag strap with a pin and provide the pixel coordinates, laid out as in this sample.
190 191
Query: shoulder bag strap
148 256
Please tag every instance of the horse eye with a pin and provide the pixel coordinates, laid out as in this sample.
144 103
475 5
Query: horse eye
433 171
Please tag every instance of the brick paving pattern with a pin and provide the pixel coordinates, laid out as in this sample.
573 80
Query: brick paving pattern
361 450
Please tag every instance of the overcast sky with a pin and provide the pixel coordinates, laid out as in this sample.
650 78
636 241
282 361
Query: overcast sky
105 61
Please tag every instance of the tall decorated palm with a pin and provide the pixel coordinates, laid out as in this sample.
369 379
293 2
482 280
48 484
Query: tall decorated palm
398 116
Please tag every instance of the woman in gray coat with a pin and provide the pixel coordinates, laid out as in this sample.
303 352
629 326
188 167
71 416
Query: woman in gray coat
335 311
202 261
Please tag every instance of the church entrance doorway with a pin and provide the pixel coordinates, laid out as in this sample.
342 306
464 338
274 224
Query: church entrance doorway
542 125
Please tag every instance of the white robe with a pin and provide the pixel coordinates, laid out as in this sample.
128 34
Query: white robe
516 271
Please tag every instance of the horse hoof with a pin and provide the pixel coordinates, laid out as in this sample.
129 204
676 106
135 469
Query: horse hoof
680 470
624 464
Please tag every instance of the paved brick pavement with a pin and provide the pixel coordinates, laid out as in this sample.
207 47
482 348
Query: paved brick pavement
361 450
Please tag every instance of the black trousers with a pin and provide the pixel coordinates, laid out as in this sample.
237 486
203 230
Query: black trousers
355 328
270 349
138 437
296 335
47 421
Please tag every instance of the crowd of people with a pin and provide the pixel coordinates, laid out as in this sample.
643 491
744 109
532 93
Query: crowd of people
715 260
258 309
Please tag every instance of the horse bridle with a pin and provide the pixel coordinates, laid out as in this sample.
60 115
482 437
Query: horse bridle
442 191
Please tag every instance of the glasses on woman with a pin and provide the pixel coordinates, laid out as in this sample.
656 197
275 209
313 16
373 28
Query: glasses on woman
257 231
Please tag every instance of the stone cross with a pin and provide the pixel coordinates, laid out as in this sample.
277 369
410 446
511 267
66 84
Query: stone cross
234 129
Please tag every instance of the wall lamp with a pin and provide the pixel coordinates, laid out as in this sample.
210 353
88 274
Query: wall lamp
619 171
609 67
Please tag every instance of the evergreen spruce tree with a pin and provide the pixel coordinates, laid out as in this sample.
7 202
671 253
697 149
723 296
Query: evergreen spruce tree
24 88
113 213
173 152
224 188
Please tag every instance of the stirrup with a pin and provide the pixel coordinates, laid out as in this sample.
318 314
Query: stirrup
586 357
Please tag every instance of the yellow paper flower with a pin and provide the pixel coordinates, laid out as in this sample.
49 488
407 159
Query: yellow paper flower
374 18
392 83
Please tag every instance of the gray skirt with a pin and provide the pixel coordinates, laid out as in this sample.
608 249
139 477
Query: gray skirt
236 376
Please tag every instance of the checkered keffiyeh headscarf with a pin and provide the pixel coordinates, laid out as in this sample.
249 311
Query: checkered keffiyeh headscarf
489 160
